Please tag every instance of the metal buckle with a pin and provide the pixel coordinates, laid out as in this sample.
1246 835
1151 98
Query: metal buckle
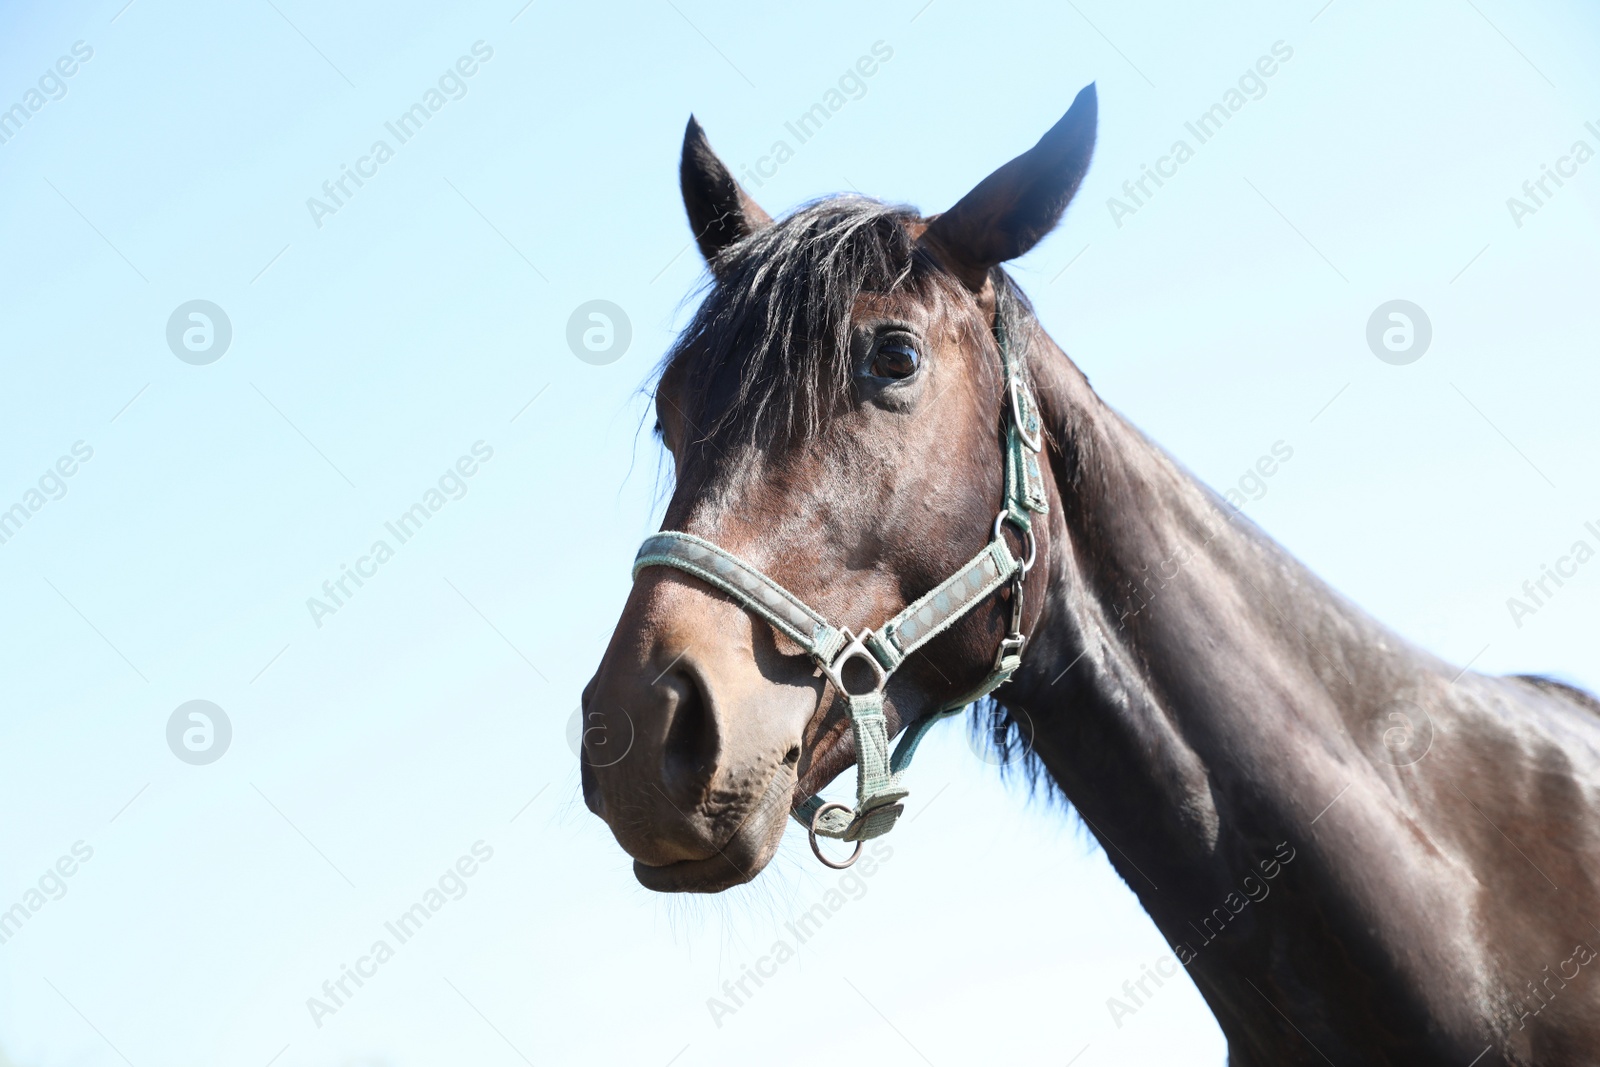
1022 402
856 649
1014 644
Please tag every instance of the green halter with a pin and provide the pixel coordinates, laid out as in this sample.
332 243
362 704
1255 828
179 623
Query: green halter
878 772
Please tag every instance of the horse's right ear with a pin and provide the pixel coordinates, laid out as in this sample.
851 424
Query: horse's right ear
720 212
1012 209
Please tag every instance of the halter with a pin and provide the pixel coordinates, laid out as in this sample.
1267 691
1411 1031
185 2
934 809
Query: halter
878 772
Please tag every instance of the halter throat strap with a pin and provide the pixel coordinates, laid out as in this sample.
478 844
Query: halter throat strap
879 790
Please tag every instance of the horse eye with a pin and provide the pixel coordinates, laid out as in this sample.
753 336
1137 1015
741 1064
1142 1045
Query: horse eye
895 360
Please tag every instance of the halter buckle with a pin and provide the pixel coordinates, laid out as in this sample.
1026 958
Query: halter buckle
1024 414
1010 646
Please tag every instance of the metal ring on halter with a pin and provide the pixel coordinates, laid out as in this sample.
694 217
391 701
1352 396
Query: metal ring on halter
1027 537
817 849
855 649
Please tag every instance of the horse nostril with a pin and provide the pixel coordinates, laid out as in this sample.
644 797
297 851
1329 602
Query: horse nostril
792 757
692 743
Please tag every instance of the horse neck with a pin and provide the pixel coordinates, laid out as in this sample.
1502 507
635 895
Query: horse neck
1187 678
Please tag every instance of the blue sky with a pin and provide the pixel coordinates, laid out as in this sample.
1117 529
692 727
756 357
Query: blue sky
374 348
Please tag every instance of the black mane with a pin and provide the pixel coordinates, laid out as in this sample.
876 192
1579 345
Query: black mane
766 356
767 350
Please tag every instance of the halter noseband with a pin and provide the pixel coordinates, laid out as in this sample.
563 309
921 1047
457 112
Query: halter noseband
878 772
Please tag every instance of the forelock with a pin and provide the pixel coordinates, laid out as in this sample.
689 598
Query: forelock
766 356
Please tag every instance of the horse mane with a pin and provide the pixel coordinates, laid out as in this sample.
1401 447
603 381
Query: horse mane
1546 684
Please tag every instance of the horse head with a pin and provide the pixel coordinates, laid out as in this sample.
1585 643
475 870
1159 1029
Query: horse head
838 414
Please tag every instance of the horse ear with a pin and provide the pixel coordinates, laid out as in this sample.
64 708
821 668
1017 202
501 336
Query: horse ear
1012 209
720 212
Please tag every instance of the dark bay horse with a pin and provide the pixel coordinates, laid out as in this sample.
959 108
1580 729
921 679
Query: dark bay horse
1219 717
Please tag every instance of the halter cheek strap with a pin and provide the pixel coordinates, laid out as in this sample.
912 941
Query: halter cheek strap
878 771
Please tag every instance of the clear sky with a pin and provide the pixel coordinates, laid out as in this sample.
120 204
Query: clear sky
408 334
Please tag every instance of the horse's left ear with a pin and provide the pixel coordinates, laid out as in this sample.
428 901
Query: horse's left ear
1012 209
720 212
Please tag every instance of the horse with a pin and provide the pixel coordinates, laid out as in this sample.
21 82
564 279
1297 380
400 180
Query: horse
841 415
